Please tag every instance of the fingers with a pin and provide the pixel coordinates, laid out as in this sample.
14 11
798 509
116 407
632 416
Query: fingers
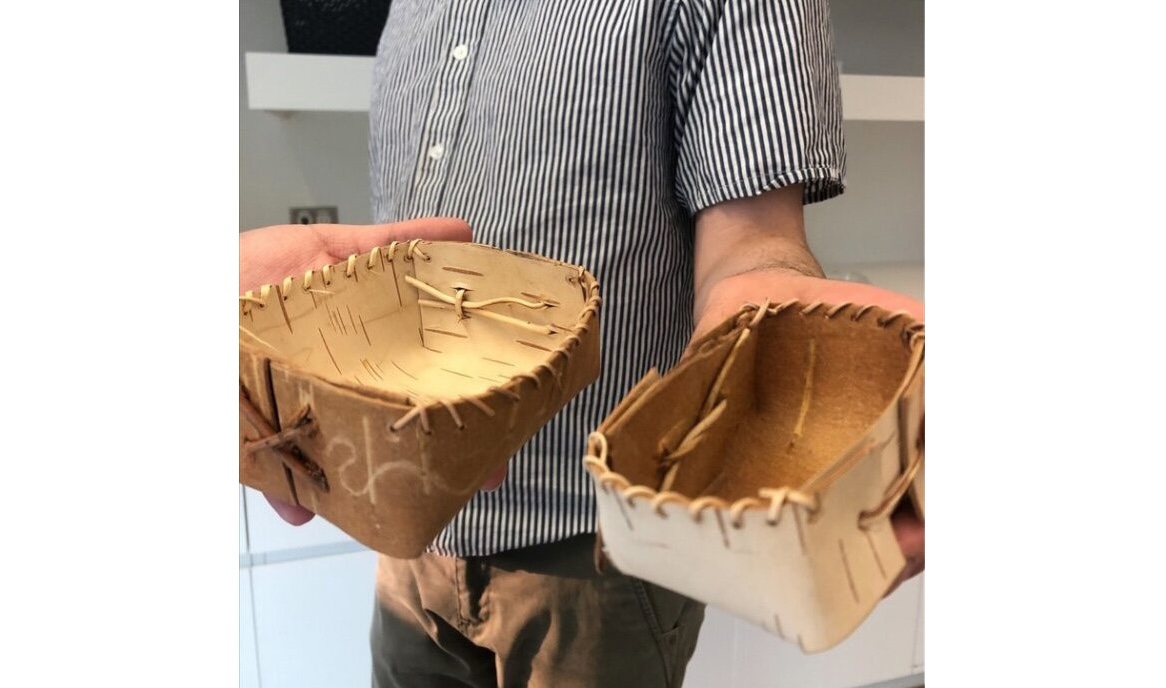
271 253
838 291
811 289
909 531
912 569
343 240
494 480
298 515
292 513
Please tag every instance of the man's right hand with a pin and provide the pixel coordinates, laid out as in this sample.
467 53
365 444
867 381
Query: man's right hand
268 254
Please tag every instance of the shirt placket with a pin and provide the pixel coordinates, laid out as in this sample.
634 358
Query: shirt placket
447 104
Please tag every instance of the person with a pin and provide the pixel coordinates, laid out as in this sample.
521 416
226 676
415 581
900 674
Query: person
670 148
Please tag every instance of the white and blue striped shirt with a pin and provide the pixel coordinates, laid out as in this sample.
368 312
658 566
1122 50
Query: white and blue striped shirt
591 132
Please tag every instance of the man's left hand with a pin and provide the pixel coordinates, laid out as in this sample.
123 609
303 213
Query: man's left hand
726 297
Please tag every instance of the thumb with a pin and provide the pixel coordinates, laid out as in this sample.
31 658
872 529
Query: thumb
292 513
343 240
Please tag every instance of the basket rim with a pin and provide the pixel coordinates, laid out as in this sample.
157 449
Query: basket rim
545 373
807 497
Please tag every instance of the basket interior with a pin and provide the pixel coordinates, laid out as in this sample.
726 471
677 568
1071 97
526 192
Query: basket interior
799 394
815 392
374 328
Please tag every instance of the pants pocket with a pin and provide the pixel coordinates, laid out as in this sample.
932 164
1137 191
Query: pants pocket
674 621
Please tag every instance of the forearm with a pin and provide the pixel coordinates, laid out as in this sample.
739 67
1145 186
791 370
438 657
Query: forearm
754 249
750 249
769 261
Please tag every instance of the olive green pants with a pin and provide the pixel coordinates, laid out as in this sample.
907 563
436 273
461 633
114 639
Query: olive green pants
540 617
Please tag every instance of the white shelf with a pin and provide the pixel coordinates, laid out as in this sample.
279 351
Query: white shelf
282 82
882 98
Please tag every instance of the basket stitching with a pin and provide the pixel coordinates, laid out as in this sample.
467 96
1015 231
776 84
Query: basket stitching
666 497
837 309
480 404
670 461
857 315
596 461
887 320
714 403
457 419
524 375
410 251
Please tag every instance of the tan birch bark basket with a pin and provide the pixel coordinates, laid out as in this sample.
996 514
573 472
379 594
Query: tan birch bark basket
381 392
760 473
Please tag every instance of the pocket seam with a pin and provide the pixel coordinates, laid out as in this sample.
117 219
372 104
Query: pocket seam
659 636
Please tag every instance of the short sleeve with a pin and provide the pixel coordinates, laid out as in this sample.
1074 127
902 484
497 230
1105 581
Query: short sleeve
758 103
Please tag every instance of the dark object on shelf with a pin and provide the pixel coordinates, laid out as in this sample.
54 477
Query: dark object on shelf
334 27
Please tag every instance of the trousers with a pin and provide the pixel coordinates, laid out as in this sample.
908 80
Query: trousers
539 617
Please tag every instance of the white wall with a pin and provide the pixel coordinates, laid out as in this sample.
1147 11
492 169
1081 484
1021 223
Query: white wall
879 36
303 159
880 217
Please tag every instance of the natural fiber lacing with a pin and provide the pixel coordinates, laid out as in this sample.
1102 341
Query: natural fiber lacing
460 306
282 442
375 257
771 499
463 307
714 406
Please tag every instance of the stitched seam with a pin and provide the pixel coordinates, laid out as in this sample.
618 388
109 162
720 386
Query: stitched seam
654 626
463 623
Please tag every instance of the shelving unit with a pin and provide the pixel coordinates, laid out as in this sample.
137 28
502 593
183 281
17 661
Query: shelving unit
286 83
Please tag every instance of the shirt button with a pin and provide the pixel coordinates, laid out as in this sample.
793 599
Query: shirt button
436 151
460 52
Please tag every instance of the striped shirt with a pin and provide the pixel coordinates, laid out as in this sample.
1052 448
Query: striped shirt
591 132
